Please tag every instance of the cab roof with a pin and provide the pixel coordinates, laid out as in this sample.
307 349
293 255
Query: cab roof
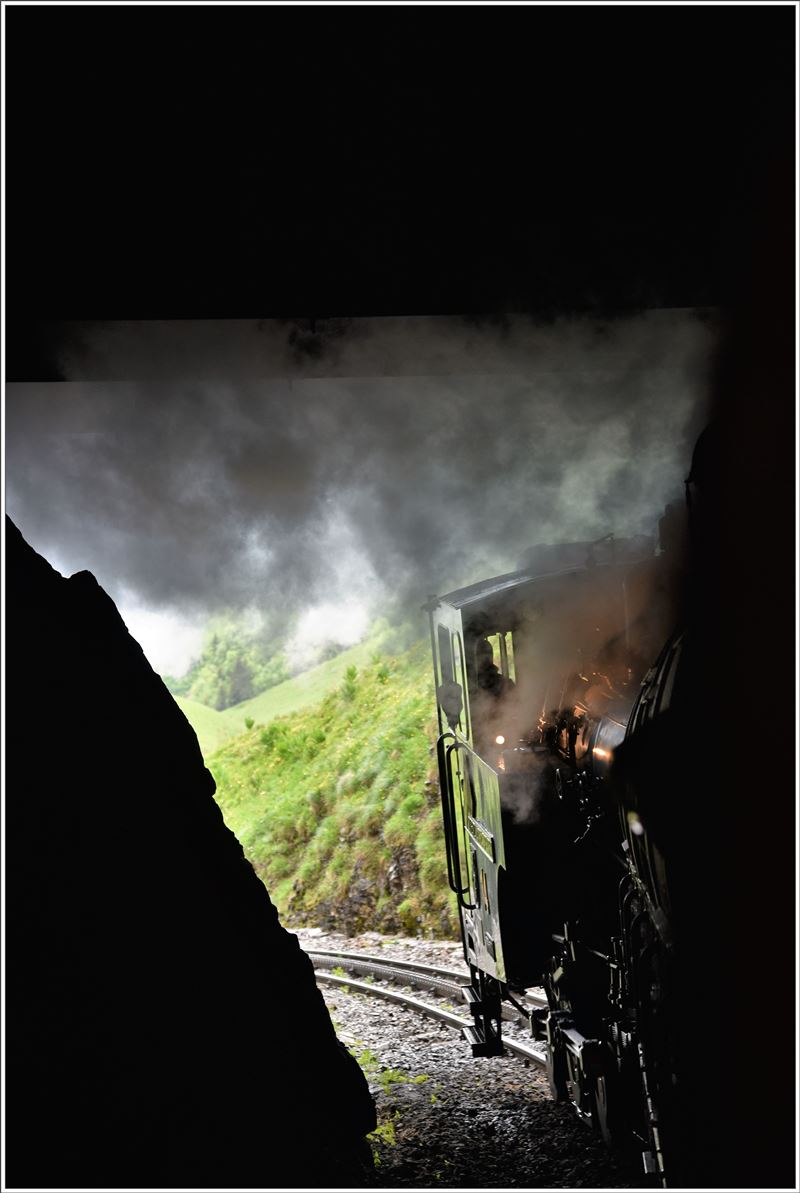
477 594
545 562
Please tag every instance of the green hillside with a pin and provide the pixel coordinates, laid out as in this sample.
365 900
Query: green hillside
303 690
337 805
212 727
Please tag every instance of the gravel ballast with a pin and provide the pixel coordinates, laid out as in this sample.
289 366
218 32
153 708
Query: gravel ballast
447 1119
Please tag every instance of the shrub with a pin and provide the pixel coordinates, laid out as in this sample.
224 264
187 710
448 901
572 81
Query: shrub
345 783
370 818
412 804
399 830
316 802
270 735
408 915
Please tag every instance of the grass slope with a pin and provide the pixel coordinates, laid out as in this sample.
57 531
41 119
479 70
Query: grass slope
337 806
212 727
303 690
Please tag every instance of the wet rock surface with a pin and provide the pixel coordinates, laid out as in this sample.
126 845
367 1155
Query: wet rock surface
447 1119
354 912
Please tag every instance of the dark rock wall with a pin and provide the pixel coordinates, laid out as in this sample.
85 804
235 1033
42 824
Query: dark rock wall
163 1029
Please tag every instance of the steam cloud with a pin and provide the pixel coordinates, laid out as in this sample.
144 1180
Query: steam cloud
523 799
203 467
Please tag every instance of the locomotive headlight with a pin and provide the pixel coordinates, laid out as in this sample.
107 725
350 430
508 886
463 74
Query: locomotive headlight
500 740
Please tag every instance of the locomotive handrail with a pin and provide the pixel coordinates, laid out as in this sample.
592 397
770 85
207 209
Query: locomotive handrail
457 852
448 811
452 851
444 788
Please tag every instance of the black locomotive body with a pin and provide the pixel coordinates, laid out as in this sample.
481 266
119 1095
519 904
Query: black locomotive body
540 676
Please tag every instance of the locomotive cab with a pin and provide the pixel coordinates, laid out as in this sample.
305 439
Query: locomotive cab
535 674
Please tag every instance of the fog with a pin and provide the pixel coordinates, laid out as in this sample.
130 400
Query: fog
347 469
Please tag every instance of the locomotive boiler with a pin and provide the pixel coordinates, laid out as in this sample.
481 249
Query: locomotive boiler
540 676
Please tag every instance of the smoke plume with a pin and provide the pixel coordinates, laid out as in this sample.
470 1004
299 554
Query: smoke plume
275 466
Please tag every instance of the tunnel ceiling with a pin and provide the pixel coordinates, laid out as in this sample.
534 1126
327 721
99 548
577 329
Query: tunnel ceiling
241 163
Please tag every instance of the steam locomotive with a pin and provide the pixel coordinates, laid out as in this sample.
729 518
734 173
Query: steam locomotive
542 676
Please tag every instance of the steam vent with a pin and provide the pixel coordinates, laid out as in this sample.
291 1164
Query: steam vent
163 1028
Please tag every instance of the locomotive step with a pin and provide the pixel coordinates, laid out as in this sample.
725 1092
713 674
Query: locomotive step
472 998
481 1046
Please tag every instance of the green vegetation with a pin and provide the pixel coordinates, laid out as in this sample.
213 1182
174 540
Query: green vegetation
385 1134
337 805
233 666
212 727
239 661
303 690
386 1078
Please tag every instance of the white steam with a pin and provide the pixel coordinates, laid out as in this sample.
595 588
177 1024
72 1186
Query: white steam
211 467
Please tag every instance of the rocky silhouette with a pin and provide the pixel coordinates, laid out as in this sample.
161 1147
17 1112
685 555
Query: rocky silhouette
163 1029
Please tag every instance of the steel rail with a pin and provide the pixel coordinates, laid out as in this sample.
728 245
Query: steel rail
424 1008
413 973
389 970
458 976
515 1047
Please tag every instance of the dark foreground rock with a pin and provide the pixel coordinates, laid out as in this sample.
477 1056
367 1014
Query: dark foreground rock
162 1028
447 1120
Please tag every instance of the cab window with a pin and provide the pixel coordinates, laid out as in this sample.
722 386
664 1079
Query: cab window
502 645
458 668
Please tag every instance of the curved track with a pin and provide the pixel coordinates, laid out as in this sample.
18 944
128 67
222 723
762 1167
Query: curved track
447 982
443 982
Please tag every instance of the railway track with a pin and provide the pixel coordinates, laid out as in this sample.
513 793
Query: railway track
445 983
